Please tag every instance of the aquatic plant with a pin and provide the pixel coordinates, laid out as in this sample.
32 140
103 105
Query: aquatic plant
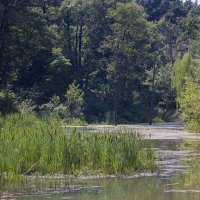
30 146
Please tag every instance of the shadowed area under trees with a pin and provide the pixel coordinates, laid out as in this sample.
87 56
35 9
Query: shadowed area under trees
109 61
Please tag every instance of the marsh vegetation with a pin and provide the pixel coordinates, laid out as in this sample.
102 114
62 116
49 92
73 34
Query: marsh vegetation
32 146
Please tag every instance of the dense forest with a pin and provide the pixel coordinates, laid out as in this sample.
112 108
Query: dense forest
113 61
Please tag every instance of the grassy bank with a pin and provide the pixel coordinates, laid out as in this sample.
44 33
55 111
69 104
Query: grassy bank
29 145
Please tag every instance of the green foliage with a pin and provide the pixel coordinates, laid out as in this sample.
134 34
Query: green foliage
190 26
194 44
60 60
54 108
29 145
74 101
76 122
189 99
128 40
69 109
7 102
181 69
186 79
158 120
26 107
106 47
172 10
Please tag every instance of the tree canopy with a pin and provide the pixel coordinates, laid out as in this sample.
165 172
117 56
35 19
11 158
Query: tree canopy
116 59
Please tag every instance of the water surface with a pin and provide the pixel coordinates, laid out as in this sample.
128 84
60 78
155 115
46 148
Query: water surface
178 177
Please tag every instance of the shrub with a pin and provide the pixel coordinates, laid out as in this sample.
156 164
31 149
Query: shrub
69 108
54 108
189 100
74 101
7 102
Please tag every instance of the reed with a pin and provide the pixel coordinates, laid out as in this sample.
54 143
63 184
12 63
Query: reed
30 146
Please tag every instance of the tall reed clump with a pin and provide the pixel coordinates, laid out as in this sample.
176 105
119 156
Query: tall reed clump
107 153
29 145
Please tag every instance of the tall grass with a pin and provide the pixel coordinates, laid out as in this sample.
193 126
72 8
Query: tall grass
29 145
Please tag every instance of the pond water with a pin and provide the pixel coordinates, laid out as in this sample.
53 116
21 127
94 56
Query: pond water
145 188
178 178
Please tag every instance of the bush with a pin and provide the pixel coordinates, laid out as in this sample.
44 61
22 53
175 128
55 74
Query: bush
7 102
69 109
158 120
74 101
54 108
189 100
26 107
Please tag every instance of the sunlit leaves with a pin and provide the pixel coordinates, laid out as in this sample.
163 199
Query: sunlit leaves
189 98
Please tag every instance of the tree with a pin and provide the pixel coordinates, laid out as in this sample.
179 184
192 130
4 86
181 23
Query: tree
74 101
181 69
189 98
25 44
74 17
117 54
126 46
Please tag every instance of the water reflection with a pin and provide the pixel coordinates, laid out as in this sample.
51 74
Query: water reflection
136 189
179 179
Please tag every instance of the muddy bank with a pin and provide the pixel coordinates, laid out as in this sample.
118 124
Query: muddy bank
165 131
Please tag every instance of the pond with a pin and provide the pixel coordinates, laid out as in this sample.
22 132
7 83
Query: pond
178 177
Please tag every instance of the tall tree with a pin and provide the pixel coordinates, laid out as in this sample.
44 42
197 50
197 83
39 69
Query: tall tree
126 45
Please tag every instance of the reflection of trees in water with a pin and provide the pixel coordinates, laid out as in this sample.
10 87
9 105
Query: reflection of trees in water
190 180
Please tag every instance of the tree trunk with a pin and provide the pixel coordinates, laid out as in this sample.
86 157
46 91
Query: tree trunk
76 47
69 36
152 96
117 92
80 46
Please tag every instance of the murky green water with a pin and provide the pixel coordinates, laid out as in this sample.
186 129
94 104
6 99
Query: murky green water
178 179
145 188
